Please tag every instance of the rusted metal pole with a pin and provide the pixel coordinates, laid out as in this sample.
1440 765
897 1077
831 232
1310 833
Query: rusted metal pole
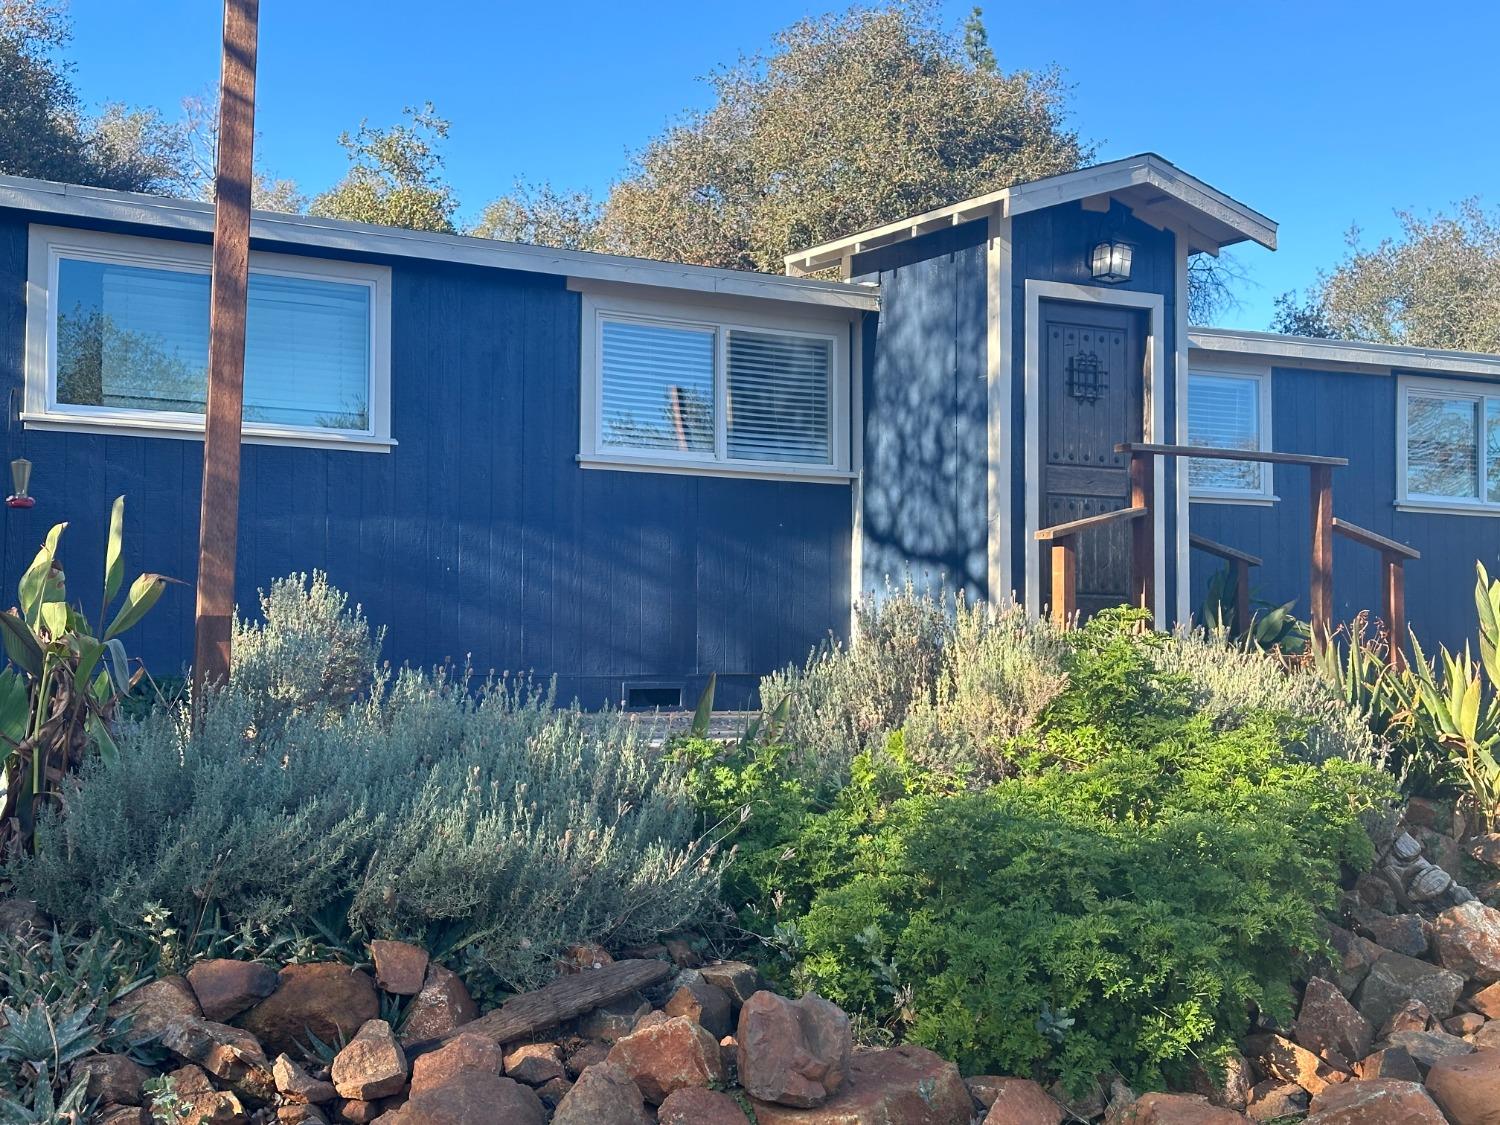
1320 593
1143 531
219 519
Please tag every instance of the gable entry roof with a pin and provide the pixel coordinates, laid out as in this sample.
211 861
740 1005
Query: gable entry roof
1157 191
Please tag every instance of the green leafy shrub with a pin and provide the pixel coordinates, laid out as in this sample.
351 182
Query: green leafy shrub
1147 872
484 823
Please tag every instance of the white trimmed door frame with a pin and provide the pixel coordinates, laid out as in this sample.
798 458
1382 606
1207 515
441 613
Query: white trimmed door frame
1154 422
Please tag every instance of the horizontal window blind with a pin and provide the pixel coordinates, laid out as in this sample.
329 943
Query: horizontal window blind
777 407
658 387
1442 446
136 337
1224 413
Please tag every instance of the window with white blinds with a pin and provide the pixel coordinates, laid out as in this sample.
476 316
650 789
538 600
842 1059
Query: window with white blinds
127 340
714 394
1449 434
1225 412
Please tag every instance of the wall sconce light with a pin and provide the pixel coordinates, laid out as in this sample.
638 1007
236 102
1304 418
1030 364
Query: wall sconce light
20 479
1109 261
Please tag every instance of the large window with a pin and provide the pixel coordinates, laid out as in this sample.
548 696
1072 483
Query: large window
1449 437
1229 410
688 393
119 338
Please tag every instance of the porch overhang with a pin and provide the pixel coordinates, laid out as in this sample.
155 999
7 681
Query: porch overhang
1156 191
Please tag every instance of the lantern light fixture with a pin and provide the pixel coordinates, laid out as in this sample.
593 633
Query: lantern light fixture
1110 260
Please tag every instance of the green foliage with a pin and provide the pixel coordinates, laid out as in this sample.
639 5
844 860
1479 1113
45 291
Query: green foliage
1272 629
61 687
1039 920
395 176
482 822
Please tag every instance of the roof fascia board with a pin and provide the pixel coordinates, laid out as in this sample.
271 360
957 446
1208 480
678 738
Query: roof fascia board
1311 352
190 216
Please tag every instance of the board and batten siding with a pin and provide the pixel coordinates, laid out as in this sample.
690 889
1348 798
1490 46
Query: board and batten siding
478 539
924 511
1353 415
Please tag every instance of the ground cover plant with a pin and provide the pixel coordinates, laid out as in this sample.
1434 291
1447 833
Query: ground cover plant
1104 860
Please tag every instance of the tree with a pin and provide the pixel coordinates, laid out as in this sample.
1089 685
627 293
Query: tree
1435 285
44 130
201 127
977 42
395 177
847 122
543 216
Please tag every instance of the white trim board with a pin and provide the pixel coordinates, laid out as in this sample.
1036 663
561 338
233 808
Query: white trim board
1154 409
1305 351
999 379
186 216
1181 373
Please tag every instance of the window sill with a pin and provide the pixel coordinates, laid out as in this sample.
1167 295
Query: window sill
713 469
1437 508
1243 501
190 431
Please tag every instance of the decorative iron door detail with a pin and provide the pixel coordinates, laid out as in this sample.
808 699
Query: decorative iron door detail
1087 377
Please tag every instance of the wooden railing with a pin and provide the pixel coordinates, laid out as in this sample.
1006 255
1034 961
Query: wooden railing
1393 555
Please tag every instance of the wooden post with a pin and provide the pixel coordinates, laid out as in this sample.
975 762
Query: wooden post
1240 570
1393 594
1142 531
1064 581
219 518
1320 593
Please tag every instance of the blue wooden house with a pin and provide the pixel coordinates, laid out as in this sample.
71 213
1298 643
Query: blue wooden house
629 474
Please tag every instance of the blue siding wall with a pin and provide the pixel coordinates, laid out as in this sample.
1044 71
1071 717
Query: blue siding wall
1350 415
479 537
1052 245
925 444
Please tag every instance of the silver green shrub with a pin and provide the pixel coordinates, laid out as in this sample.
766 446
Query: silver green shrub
481 820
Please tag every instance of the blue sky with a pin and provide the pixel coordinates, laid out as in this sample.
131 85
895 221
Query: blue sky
1319 114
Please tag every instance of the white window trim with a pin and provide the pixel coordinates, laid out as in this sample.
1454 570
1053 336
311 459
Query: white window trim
595 454
1261 373
47 245
1462 390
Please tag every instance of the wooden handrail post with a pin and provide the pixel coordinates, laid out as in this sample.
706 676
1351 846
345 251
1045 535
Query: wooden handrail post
1393 595
1320 593
1064 580
1142 537
1240 570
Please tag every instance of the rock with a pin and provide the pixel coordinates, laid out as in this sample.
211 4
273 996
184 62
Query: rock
668 1056
1019 1101
1271 1100
357 1111
471 1097
585 1056
1466 939
792 1052
198 1103
225 987
729 1055
300 1113
612 1022
1389 1062
535 1064
123 1115
1091 1103
1487 1001
1352 958
1396 978
1328 1022
1487 1036
152 1006
985 1087
1465 1023
1281 1058
1380 1101
1411 1016
400 967
1404 933
19 917
463 1052
1426 1047
1485 848
1178 1109
372 1065
738 980
683 955
328 1000
706 1004
603 1095
112 1079
1467 1088
906 1085
696 1106
441 1007
295 1085
1230 1089
585 956
552 1093
228 1053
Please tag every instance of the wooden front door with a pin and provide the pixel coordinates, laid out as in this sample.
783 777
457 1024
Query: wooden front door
1093 383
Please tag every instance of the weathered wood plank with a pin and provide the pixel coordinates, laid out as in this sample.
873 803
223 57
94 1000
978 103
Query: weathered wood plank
1320 594
1143 534
1264 457
1374 539
1088 523
1222 550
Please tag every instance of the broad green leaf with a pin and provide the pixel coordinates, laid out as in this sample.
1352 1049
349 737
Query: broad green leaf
114 560
33 583
55 618
15 706
703 716
89 651
144 592
21 644
117 666
103 741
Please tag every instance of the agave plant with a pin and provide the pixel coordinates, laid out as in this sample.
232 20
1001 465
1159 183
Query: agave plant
65 678
1274 629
